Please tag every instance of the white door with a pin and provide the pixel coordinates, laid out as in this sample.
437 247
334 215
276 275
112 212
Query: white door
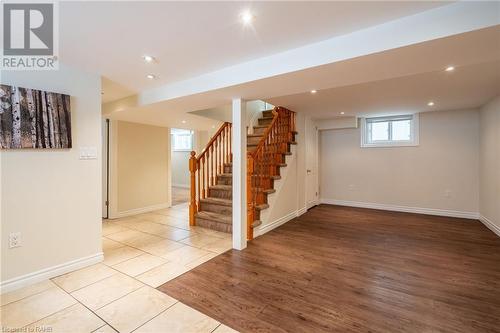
312 181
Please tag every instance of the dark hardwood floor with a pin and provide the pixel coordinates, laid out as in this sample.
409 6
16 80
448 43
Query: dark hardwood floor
339 269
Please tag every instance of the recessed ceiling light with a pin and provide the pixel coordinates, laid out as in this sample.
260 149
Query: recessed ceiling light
342 112
148 58
430 103
213 126
246 17
183 121
450 69
151 76
314 91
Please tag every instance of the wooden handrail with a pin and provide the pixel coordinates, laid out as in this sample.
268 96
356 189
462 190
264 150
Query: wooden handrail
212 140
266 134
205 167
264 162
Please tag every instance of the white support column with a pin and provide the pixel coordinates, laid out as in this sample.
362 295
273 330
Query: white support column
239 147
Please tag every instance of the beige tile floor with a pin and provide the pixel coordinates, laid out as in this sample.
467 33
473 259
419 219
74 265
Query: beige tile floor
118 295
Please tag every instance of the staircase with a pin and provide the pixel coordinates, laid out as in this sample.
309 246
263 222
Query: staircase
211 171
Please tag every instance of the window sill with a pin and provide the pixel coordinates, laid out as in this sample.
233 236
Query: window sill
389 145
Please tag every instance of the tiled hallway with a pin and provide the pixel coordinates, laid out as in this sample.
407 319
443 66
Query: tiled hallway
140 253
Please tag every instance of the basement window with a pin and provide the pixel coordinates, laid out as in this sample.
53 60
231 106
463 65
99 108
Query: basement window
392 131
182 140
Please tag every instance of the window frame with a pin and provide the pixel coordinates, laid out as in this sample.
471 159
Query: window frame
190 135
414 132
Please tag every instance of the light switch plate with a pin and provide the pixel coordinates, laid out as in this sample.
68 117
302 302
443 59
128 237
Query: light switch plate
88 153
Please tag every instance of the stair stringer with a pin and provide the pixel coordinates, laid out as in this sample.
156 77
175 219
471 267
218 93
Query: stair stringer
282 203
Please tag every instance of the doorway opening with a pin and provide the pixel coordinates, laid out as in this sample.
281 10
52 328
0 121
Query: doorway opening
182 141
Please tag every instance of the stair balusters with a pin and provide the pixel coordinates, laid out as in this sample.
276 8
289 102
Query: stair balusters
205 167
264 162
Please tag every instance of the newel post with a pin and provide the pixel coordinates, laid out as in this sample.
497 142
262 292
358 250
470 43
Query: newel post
250 208
192 203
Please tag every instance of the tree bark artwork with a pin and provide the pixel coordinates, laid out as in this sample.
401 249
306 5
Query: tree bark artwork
32 118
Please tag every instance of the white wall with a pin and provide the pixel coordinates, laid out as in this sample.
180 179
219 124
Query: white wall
489 194
419 177
51 196
180 168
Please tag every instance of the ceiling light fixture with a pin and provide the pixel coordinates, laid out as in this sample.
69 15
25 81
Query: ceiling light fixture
314 91
148 58
431 103
246 17
151 76
342 113
183 121
450 69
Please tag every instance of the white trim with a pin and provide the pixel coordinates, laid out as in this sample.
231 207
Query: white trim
407 209
141 210
311 204
261 230
48 273
492 226
181 185
414 135
302 210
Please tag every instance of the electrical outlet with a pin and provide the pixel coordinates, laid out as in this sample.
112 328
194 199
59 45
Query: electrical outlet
14 240
447 193
352 187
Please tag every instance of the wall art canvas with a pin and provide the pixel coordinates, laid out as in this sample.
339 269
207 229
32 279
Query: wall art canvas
32 118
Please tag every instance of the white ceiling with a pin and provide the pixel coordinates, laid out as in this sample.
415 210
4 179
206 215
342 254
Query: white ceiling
400 79
192 38
112 91
467 87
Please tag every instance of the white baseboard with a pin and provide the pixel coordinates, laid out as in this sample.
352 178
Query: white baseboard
48 273
493 227
140 210
302 211
311 204
181 185
270 226
406 209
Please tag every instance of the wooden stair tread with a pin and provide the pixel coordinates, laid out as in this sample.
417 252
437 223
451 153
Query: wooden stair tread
262 206
221 187
217 201
272 177
256 223
214 217
215 209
